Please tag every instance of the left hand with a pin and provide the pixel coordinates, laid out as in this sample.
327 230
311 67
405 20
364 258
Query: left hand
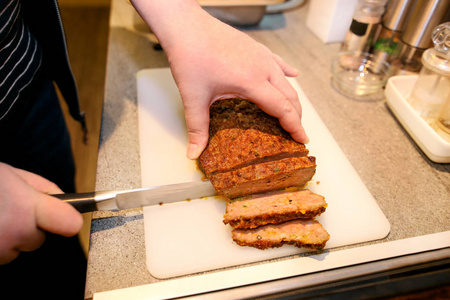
210 60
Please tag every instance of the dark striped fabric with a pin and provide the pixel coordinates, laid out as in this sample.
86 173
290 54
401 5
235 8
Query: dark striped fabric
20 55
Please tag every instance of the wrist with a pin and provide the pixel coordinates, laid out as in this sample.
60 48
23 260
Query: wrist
169 19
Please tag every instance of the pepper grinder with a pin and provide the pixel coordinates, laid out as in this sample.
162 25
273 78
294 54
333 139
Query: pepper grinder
432 88
392 26
415 38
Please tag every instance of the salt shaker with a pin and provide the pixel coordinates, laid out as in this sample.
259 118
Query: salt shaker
364 26
443 121
432 88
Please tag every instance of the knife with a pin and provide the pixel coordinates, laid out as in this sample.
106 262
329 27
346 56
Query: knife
156 195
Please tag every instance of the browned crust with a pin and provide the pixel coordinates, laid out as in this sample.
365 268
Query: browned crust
269 176
300 233
243 114
241 134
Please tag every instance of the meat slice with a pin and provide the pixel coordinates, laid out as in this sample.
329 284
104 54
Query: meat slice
306 233
273 207
241 134
264 177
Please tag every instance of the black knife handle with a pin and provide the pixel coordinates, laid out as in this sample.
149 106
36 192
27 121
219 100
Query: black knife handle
83 202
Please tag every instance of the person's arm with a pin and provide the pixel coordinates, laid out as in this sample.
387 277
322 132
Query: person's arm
27 211
210 60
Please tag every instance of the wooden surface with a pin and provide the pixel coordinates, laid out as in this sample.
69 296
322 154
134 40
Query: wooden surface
85 3
87 36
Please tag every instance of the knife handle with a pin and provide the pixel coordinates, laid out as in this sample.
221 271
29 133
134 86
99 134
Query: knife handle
83 202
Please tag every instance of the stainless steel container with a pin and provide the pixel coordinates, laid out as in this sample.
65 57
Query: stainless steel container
416 38
246 12
424 17
397 12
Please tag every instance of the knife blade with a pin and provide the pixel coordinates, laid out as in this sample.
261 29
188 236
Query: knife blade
156 195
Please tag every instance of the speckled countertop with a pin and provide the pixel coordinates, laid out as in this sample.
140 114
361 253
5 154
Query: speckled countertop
412 191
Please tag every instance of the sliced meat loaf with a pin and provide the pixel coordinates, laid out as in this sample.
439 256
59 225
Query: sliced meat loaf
273 207
235 148
241 134
265 177
306 233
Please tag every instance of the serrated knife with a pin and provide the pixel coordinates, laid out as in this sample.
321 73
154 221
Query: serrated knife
156 195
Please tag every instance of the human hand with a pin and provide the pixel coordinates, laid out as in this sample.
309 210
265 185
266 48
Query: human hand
224 63
27 211
210 60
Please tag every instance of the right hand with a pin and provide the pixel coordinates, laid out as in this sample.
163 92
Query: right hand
27 211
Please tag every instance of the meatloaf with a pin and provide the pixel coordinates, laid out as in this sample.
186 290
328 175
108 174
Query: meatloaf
249 152
273 207
251 160
306 233
241 134
264 177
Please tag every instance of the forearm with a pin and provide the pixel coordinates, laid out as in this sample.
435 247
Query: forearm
171 20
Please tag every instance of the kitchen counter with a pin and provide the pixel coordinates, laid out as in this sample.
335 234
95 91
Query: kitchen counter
412 191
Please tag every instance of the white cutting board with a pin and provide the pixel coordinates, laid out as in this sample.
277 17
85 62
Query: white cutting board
190 237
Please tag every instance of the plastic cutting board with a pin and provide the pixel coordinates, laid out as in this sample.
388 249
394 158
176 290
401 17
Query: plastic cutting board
189 237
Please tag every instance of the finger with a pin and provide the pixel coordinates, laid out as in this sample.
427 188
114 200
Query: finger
196 113
38 182
58 217
274 103
8 256
287 69
280 82
29 242
292 123
32 241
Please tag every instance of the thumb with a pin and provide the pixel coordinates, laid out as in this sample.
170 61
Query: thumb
197 121
57 217
52 214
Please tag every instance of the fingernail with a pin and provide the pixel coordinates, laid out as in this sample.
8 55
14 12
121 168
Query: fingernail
192 151
306 139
